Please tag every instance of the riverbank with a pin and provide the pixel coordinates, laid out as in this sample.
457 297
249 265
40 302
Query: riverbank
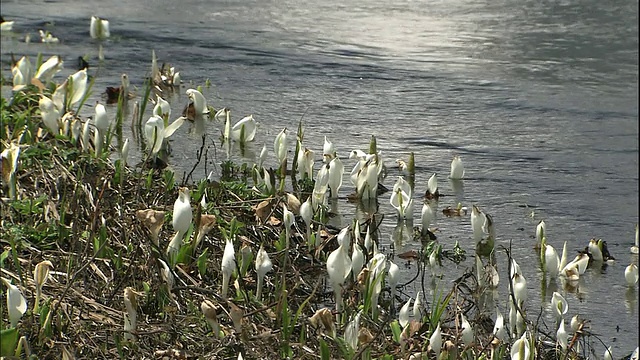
117 288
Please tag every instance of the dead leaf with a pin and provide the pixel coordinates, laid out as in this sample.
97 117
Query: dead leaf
263 210
409 255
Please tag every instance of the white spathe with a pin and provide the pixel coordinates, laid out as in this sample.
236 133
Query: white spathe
99 28
551 261
227 266
338 268
457 168
182 217
403 316
520 348
16 303
631 275
162 108
263 266
435 341
393 276
49 68
50 114
199 102
336 171
559 305
357 260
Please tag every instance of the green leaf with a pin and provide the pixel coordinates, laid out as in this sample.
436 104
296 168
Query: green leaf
8 341
396 330
4 256
202 263
325 354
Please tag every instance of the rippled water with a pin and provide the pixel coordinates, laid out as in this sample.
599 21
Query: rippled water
538 97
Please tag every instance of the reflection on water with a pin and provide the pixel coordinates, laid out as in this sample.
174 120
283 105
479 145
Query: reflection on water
457 186
402 234
631 300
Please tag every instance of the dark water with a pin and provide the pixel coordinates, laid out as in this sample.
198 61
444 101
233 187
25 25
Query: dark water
540 99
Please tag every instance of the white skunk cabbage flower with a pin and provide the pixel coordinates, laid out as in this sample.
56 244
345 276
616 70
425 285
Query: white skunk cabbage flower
243 131
352 331
575 323
634 248
401 199
467 331
21 72
155 131
49 68
6 26
520 288
608 355
368 241
288 218
101 122
318 196
432 185
228 265
457 169
339 268
541 231
435 341
99 28
417 306
403 316
376 265
47 38
551 261
16 303
498 329
478 219
306 159
515 268
336 172
280 146
344 237
428 215
577 267
357 260
176 80
559 305
393 276
167 275
78 88
199 102
263 156
182 216
328 151
162 108
263 266
124 153
520 348
50 114
367 179
562 336
86 133
595 250
631 275
306 212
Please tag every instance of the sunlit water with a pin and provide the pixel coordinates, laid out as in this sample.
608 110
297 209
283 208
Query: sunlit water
539 98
